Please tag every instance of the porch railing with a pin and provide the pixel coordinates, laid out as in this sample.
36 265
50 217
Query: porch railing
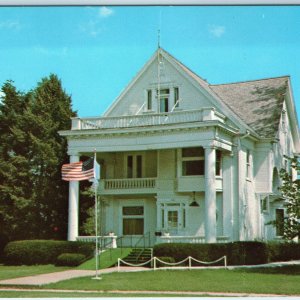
195 115
189 239
132 183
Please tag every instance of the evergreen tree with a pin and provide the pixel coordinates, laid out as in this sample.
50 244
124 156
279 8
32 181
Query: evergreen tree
15 191
49 111
31 158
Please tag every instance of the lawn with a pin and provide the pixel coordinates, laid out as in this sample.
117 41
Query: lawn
107 259
8 272
235 281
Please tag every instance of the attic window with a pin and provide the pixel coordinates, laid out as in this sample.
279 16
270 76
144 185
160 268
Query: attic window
176 97
149 100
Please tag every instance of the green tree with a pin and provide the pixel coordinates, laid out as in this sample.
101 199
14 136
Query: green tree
290 190
15 191
35 153
49 111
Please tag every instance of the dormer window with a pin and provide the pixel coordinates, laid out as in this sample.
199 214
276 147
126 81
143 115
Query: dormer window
164 95
176 97
149 100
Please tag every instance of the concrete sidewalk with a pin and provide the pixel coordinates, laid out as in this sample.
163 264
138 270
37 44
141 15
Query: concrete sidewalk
64 275
69 274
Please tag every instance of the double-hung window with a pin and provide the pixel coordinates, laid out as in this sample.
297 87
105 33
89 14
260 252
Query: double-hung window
133 220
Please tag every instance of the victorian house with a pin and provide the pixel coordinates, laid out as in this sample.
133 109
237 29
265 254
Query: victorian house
183 160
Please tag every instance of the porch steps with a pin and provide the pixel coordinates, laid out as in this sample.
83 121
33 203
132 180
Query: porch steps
139 255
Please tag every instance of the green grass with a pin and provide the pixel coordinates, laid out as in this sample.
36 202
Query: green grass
41 294
107 259
8 272
236 281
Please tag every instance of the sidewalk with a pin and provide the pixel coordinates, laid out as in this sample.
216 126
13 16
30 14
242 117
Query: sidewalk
64 275
69 274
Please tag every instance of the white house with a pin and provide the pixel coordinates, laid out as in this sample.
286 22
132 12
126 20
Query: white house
186 161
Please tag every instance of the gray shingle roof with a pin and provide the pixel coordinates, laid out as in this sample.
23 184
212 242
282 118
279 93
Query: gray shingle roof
258 103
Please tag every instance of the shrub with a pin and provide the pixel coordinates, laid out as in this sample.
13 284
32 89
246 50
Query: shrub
166 259
283 251
31 252
247 253
3 241
180 251
238 253
70 259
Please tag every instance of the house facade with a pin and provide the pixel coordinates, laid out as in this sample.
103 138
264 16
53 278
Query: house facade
186 161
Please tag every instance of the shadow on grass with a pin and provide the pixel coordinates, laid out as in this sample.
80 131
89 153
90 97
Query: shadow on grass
286 270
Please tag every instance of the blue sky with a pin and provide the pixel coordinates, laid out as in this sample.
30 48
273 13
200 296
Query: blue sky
96 51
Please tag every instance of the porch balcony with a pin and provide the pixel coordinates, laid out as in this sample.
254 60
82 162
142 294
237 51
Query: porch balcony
128 186
142 120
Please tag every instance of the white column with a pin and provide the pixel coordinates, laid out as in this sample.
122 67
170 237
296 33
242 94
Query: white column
73 205
210 195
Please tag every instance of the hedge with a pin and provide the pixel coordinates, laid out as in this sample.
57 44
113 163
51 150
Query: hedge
70 259
238 253
283 251
32 252
3 242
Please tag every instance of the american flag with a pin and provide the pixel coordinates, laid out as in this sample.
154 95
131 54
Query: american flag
78 171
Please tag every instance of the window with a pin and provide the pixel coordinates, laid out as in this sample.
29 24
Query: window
192 161
133 220
279 221
176 97
264 204
134 166
283 121
164 100
218 162
248 164
149 100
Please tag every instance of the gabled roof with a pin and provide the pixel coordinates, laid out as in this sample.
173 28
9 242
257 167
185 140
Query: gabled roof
259 102
251 105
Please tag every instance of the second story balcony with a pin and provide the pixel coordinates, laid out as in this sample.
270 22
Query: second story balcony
128 186
148 119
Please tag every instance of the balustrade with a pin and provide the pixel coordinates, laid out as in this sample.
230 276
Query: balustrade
142 120
131 183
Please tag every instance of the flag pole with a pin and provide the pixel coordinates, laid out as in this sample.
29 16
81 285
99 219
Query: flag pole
96 221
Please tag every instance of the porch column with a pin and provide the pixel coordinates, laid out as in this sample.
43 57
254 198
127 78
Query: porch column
73 205
210 195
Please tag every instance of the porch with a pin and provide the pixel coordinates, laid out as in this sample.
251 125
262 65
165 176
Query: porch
152 185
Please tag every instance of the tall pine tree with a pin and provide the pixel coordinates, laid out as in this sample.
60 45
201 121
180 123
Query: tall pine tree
35 167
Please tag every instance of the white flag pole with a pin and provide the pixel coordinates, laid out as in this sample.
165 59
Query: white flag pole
96 217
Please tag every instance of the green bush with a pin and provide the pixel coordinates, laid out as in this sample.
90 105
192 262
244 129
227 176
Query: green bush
278 251
180 251
3 241
247 253
238 253
166 259
33 252
70 259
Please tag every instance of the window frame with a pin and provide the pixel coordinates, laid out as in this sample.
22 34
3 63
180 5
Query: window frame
133 217
192 159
